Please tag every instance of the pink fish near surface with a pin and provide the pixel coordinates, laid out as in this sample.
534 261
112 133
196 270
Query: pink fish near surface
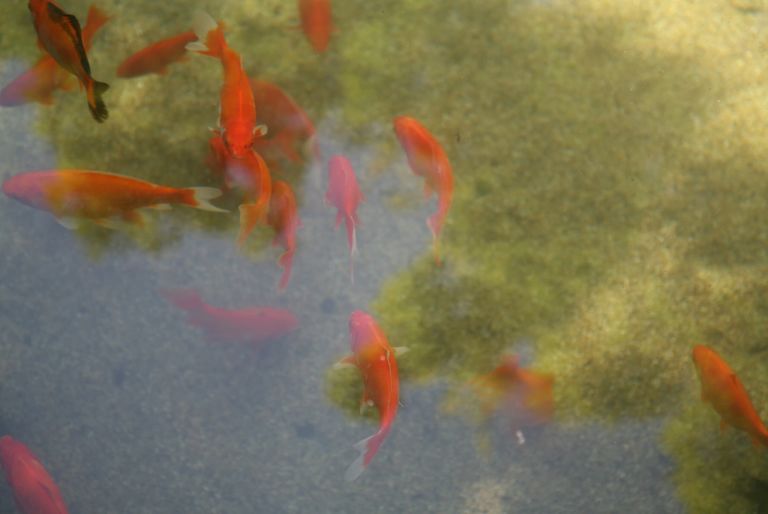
255 325
33 489
344 193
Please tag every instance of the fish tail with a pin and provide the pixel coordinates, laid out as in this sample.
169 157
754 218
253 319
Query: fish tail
367 448
351 235
94 90
95 20
210 36
198 197
251 214
286 262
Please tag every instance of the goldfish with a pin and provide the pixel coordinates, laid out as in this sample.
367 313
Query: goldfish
156 57
284 218
344 193
60 35
428 160
375 360
255 325
721 388
237 109
316 22
38 83
34 491
72 194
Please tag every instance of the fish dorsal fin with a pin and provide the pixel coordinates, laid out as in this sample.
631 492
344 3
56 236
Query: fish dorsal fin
72 27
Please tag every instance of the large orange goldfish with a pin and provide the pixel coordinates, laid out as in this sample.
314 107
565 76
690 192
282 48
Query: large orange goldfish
344 193
722 389
375 359
284 219
60 35
38 83
33 489
316 22
156 57
71 195
237 110
428 160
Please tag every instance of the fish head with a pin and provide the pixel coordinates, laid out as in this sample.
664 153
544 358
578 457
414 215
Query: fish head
30 188
239 138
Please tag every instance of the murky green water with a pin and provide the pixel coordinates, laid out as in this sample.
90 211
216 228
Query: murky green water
609 213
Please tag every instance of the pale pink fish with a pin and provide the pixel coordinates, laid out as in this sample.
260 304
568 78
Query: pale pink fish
344 193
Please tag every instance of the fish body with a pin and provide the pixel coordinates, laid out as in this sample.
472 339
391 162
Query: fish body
428 160
255 325
375 360
60 35
721 388
284 219
97 195
344 193
156 57
316 22
33 489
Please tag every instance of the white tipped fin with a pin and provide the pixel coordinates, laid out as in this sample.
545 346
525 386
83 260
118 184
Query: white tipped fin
202 197
202 25
357 467
400 350
68 223
196 46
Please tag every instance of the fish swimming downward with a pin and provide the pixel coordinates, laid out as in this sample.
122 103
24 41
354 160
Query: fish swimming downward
316 22
74 195
156 57
34 491
59 34
344 193
284 219
721 388
375 360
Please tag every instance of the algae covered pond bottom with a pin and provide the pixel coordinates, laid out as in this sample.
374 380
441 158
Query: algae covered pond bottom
608 212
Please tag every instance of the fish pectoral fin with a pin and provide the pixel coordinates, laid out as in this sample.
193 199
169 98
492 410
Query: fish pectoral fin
346 362
68 223
260 130
400 350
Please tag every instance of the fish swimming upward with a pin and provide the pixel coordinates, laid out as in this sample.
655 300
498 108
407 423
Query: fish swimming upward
316 22
284 219
60 35
255 325
74 195
34 491
721 388
344 193
156 57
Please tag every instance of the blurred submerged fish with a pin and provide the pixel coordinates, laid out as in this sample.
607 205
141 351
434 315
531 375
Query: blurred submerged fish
721 388
375 359
156 57
344 193
255 325
59 34
33 489
38 83
428 160
284 219
316 22
72 195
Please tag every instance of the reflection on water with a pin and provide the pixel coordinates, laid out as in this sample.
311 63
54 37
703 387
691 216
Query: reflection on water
607 216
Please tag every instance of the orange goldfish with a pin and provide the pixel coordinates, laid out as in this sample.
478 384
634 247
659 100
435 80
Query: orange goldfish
723 390
284 219
344 193
375 360
98 196
316 22
59 34
427 159
38 83
237 110
255 325
33 489
156 57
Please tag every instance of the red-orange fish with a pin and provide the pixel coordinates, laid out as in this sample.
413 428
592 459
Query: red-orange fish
427 159
237 110
72 195
60 35
33 489
344 193
284 219
375 359
316 22
38 83
255 325
156 57
721 388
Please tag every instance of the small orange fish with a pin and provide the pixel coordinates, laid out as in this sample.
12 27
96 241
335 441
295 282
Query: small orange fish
38 83
375 359
284 219
722 389
255 325
316 22
427 159
98 196
59 34
34 491
156 57
344 193
237 110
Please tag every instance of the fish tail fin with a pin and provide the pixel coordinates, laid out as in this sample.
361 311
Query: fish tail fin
94 91
210 36
367 448
351 225
286 262
199 198
251 214
95 20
